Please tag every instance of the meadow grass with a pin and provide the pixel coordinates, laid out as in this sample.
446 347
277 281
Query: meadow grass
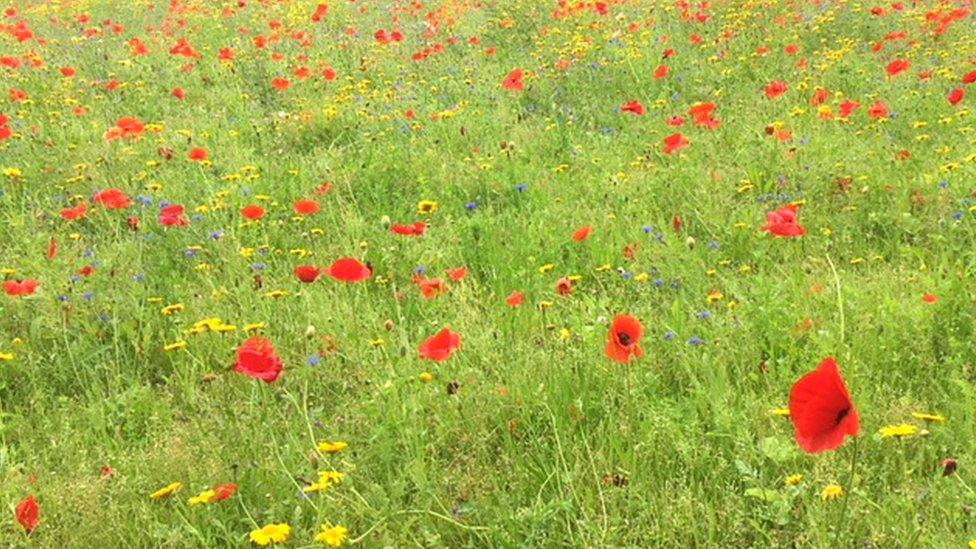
528 436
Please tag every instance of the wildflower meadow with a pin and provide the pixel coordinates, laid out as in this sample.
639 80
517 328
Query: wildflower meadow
488 273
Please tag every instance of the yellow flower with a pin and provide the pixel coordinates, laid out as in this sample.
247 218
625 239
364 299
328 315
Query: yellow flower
793 480
565 334
426 207
166 491
327 479
331 447
207 496
253 327
831 491
6 356
426 377
898 431
781 412
272 533
334 536
972 544
170 309
175 346
939 418
546 268
715 295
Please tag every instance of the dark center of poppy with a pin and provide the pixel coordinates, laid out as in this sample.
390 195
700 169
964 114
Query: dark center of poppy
624 338
842 414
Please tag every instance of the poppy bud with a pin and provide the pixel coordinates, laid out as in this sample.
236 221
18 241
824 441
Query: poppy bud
690 241
949 467
309 331
385 222
389 325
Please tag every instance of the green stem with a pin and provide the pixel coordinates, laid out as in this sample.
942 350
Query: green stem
849 485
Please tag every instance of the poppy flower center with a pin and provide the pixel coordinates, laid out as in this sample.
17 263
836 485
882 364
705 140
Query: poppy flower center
842 414
624 338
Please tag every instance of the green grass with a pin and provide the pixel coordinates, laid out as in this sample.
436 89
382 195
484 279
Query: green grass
544 442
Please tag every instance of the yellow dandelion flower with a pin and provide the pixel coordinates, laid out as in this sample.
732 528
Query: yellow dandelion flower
547 268
166 491
831 492
172 309
793 480
715 295
565 334
6 357
207 496
276 294
426 377
426 207
175 346
327 447
377 342
254 327
938 418
271 533
781 412
333 536
898 431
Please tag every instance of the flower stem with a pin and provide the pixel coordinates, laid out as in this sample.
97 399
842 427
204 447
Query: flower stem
849 485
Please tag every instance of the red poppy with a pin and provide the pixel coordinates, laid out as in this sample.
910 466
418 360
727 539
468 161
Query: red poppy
113 199
702 115
775 89
349 270
878 110
224 490
179 93
564 286
514 81
582 233
307 273
320 12
675 142
171 215
847 107
5 133
623 340
77 212
634 107
256 358
514 299
440 347
125 127
417 229
20 288
821 409
676 121
68 72
969 77
306 207
198 154
226 54
930 298
783 223
27 513
897 67
458 274
431 287
252 212
661 72
955 96
281 84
